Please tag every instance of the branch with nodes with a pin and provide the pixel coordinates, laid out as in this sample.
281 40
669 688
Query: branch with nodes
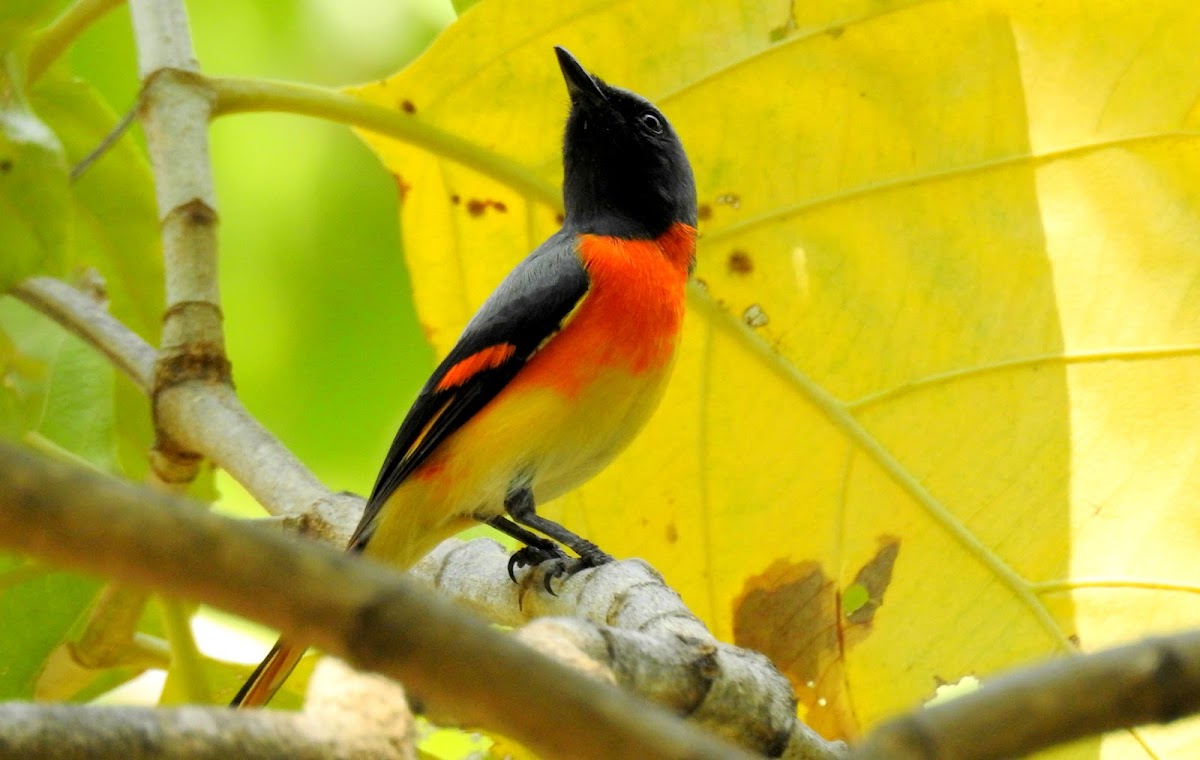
350 716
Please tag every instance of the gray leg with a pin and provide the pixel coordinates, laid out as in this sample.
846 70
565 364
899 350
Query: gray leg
519 504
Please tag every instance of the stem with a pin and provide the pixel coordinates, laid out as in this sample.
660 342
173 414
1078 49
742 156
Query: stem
243 95
38 731
176 105
92 323
1153 681
50 42
175 110
186 667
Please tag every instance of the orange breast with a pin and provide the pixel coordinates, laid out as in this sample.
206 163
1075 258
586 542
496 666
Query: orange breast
630 318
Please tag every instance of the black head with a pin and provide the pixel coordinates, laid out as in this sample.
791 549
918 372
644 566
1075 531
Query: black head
625 172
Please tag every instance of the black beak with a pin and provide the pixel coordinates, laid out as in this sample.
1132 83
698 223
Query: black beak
580 84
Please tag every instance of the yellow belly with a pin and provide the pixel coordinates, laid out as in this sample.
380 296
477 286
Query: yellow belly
555 442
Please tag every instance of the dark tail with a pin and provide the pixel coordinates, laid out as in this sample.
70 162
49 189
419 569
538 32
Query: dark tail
269 675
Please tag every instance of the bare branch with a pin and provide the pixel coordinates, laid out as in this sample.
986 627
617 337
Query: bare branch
633 628
1153 681
52 732
204 418
209 418
89 320
175 106
374 618
52 41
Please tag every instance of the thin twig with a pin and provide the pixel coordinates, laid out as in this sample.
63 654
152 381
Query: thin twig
91 322
50 42
1013 715
241 95
209 418
110 139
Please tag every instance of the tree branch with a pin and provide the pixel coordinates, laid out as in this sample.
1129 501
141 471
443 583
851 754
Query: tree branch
50 42
1153 681
51 732
626 623
92 323
242 95
175 106
205 418
375 619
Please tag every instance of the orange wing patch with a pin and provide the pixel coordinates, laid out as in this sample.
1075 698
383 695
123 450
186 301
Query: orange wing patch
488 358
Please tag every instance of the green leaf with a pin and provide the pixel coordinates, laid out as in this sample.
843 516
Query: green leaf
116 234
34 198
39 614
117 229
78 414
19 16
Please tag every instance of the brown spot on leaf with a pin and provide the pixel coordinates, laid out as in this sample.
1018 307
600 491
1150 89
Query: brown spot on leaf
456 199
1074 639
740 263
836 32
6 165
560 218
790 613
477 206
875 577
408 107
672 533
402 187
704 213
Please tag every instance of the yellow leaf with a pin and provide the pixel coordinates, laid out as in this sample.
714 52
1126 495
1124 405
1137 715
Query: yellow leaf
935 410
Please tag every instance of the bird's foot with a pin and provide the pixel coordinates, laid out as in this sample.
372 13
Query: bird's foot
554 563
564 567
534 554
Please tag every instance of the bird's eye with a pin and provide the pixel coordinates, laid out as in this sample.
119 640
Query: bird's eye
651 123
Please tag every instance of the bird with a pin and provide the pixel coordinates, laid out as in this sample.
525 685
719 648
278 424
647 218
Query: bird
558 370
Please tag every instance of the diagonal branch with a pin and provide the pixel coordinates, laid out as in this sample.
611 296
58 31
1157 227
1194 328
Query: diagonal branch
374 618
92 323
206 418
1013 715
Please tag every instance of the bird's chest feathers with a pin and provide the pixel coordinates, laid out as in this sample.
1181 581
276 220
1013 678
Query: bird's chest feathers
631 317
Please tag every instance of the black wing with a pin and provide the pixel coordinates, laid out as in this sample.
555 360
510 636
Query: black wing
528 307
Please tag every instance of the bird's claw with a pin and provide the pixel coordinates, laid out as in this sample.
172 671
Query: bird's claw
554 562
565 567
533 555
